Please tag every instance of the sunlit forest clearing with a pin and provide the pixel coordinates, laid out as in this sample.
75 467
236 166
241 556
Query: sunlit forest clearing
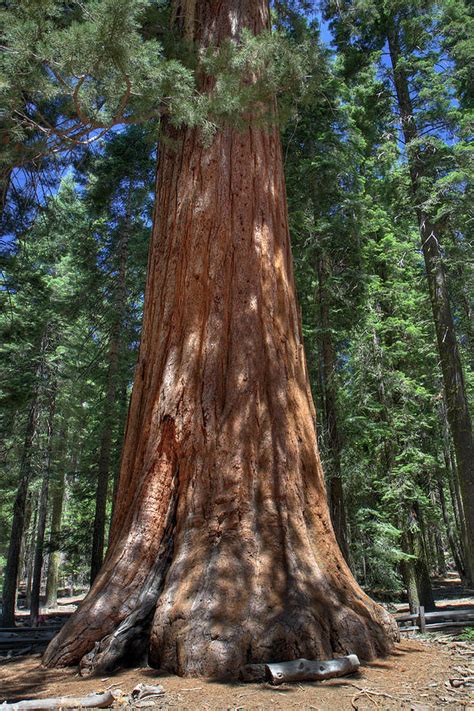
237 359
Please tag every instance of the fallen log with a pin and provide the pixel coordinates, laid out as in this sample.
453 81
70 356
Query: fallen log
311 670
100 701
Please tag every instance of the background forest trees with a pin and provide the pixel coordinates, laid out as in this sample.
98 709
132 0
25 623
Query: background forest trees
378 166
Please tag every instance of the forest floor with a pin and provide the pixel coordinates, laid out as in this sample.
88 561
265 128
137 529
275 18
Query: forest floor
415 677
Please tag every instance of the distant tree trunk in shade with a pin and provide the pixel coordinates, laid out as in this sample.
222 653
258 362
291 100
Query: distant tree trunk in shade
466 305
57 501
22 565
30 556
437 539
408 572
5 176
327 366
120 302
450 533
431 240
417 567
420 547
453 484
42 512
123 407
222 550
18 519
52 579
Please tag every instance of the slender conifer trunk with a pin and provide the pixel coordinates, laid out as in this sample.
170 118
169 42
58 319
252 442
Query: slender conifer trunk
30 556
19 508
5 176
120 302
327 366
407 568
42 512
450 533
57 499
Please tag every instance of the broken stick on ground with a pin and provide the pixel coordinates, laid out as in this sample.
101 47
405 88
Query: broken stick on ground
100 701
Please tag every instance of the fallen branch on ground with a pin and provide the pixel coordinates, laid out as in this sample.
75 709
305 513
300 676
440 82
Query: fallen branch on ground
100 701
369 693
462 681
145 695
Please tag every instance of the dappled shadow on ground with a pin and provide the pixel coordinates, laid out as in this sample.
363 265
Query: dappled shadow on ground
416 672
451 586
17 683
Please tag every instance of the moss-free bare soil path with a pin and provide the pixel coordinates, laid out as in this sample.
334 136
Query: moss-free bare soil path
415 677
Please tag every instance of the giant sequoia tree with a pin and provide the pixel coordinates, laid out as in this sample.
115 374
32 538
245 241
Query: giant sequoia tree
221 549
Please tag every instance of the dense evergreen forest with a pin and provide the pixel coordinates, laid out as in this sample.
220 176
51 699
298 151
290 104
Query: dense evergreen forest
374 107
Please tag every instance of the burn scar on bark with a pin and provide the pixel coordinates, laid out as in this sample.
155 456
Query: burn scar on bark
129 642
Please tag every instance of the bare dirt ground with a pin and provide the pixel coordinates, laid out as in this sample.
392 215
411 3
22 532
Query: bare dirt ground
415 677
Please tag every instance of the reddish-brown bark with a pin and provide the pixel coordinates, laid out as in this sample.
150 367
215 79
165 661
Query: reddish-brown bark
221 539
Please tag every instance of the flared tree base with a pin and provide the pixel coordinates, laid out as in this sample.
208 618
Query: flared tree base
217 612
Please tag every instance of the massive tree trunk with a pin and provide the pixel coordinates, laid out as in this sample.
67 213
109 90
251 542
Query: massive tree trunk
222 550
453 377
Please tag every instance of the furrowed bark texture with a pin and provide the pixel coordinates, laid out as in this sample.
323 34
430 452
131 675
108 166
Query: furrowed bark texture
221 535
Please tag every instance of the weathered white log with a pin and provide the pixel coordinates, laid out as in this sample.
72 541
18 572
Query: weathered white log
100 701
311 670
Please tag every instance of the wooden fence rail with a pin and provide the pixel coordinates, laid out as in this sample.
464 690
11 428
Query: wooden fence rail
427 621
26 639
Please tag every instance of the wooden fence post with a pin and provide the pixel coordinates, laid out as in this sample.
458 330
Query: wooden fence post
422 620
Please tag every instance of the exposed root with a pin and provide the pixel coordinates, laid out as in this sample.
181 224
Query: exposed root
131 638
